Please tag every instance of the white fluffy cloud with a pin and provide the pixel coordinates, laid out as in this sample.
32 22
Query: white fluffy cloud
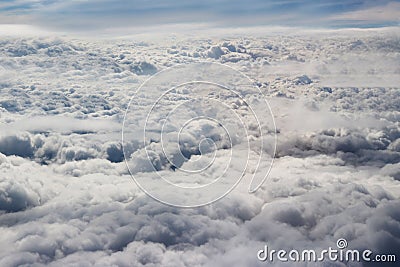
66 196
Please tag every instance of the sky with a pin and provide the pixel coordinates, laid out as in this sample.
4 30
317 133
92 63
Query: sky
81 15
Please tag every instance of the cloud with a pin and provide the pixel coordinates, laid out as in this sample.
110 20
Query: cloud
390 12
103 14
66 197
60 124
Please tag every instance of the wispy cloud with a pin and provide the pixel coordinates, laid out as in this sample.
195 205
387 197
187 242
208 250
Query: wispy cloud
385 13
100 14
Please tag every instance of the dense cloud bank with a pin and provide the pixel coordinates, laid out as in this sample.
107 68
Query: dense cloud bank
66 196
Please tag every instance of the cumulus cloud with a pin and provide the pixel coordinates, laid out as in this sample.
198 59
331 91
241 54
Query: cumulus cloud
66 195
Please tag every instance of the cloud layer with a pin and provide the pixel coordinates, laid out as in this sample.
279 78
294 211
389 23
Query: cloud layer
66 196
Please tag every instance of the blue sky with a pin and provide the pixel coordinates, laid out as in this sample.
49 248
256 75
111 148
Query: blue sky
98 14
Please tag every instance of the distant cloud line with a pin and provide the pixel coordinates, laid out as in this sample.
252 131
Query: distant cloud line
104 14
